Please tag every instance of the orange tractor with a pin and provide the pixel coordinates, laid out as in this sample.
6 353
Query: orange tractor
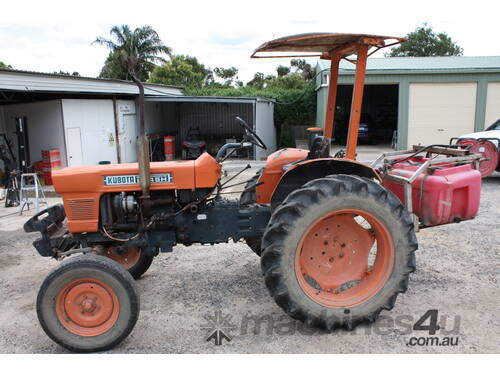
336 237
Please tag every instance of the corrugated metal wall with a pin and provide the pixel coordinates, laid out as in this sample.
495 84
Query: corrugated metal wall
216 121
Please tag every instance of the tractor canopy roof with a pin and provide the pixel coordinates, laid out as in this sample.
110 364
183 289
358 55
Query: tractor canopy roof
323 45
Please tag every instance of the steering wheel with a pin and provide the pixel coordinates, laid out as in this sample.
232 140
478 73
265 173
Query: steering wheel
250 134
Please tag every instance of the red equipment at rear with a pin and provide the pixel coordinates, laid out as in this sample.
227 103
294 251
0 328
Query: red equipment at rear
488 151
440 195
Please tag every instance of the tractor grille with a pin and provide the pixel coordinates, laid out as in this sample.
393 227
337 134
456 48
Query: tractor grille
81 209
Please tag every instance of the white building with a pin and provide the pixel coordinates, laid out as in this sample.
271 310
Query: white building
422 100
91 120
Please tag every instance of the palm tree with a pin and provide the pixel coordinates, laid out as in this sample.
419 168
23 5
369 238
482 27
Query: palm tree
137 51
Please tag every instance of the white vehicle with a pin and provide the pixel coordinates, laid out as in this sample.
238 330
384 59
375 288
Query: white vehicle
487 143
491 132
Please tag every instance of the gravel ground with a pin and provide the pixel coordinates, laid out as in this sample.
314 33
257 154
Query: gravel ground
194 288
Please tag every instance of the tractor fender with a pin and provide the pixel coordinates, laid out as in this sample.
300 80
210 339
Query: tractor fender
300 173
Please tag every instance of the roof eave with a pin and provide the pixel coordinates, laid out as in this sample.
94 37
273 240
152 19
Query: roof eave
423 71
186 98
71 77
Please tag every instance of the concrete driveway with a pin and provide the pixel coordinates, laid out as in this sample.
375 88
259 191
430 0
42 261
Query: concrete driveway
195 290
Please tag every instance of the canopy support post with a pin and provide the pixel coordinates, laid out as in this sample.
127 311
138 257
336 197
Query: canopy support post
357 101
332 95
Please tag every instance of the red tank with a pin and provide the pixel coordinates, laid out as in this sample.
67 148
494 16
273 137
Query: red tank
442 194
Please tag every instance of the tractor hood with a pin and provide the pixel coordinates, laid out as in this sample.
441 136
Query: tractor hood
187 174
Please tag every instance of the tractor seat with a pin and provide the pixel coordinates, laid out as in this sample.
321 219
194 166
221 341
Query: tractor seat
320 148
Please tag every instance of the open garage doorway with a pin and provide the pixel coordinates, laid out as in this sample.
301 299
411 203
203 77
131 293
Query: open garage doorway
379 117
210 122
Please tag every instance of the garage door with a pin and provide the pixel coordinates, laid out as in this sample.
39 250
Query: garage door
492 103
439 111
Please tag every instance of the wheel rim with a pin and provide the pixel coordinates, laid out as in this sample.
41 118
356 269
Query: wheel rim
87 307
127 257
344 258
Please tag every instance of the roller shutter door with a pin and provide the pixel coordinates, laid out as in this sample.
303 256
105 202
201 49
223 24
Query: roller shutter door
492 103
439 111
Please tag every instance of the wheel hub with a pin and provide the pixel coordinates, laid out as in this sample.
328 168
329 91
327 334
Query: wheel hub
333 258
87 307
336 251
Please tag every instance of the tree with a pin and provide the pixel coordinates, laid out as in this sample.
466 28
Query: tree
424 42
259 80
113 67
74 74
302 67
282 70
288 82
4 65
228 75
137 51
184 71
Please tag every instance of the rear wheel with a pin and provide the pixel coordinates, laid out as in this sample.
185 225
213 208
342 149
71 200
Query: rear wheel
248 198
338 251
89 303
136 260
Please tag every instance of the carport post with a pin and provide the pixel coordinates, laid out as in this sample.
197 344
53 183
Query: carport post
357 101
332 95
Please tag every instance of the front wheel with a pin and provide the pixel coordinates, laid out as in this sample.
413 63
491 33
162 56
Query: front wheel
338 251
89 303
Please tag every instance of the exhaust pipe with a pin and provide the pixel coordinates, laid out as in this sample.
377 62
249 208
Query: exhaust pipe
142 144
143 159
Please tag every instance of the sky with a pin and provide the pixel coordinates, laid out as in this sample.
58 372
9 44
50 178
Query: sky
57 35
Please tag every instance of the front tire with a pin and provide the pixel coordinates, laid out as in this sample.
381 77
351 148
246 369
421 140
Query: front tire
338 251
89 303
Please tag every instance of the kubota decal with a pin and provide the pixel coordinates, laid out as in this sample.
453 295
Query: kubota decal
133 179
